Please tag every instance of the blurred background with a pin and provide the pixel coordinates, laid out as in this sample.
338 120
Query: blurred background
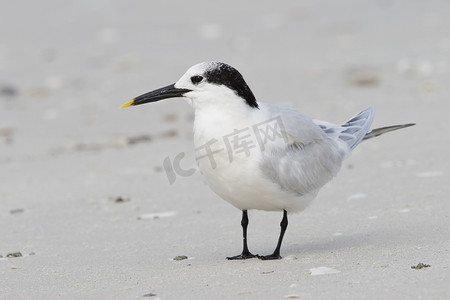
65 67
72 164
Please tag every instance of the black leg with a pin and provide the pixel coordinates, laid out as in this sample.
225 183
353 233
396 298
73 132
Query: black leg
276 253
245 253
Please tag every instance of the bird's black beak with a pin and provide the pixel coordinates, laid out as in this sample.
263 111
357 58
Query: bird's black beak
166 92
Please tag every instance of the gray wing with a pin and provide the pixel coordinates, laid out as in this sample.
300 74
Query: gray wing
382 130
307 161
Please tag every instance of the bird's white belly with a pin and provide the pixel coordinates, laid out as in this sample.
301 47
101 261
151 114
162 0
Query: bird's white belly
241 183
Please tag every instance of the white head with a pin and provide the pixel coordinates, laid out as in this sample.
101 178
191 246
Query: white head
207 83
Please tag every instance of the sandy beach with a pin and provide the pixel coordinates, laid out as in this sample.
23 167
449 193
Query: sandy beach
87 210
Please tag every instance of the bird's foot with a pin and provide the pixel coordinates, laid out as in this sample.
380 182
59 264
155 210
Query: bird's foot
272 256
243 255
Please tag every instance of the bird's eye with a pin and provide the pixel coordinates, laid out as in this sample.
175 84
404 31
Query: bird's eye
196 79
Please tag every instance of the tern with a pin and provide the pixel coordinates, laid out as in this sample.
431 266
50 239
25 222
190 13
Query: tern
257 155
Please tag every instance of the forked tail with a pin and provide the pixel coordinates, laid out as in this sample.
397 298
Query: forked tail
355 130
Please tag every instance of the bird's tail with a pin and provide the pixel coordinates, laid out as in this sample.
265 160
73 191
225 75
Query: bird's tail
355 129
379 131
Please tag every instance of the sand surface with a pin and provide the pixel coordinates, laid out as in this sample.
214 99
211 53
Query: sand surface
83 194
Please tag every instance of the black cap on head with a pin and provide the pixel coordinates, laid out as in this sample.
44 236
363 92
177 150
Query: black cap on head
220 73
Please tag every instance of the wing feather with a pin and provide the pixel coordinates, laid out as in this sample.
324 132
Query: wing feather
307 161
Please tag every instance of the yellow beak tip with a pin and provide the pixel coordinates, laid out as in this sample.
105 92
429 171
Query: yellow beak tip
129 103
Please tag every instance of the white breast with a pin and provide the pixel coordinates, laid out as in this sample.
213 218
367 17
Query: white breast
229 152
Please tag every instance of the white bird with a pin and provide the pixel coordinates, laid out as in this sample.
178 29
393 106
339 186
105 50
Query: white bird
257 155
